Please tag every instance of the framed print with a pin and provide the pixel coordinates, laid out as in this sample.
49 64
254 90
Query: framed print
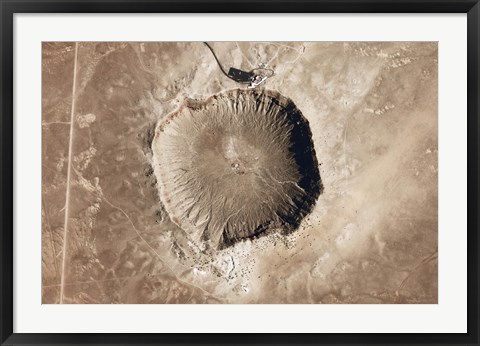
239 173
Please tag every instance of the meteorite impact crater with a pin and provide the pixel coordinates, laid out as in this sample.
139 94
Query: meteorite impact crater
238 164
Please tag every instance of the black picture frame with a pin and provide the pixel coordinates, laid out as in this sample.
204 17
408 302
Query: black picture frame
9 7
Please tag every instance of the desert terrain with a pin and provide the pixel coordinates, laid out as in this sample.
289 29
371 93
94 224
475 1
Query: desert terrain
370 235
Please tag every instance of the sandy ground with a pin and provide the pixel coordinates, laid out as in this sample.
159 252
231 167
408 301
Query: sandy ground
371 237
